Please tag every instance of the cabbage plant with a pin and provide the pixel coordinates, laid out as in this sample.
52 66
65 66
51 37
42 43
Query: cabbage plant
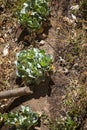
33 13
23 119
33 65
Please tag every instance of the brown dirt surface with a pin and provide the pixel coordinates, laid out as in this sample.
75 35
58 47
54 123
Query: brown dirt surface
70 63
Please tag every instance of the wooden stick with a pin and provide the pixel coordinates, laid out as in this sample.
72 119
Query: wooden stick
15 92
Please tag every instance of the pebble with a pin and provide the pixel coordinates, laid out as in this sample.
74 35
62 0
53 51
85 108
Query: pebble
76 65
42 42
3 27
5 35
6 50
2 40
15 39
44 35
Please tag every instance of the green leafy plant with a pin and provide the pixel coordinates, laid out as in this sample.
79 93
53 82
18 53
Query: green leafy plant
70 123
23 119
34 13
64 124
33 65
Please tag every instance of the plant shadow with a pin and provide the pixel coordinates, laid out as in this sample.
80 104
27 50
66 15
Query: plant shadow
38 91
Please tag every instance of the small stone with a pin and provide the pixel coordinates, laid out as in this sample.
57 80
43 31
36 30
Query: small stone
2 106
44 35
2 40
76 65
6 50
5 100
5 35
64 96
3 27
15 39
58 28
42 42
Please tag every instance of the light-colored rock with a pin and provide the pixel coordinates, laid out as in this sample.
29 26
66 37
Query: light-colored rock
6 50
2 40
42 42
5 35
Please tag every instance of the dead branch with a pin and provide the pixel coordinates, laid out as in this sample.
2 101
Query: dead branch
15 92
